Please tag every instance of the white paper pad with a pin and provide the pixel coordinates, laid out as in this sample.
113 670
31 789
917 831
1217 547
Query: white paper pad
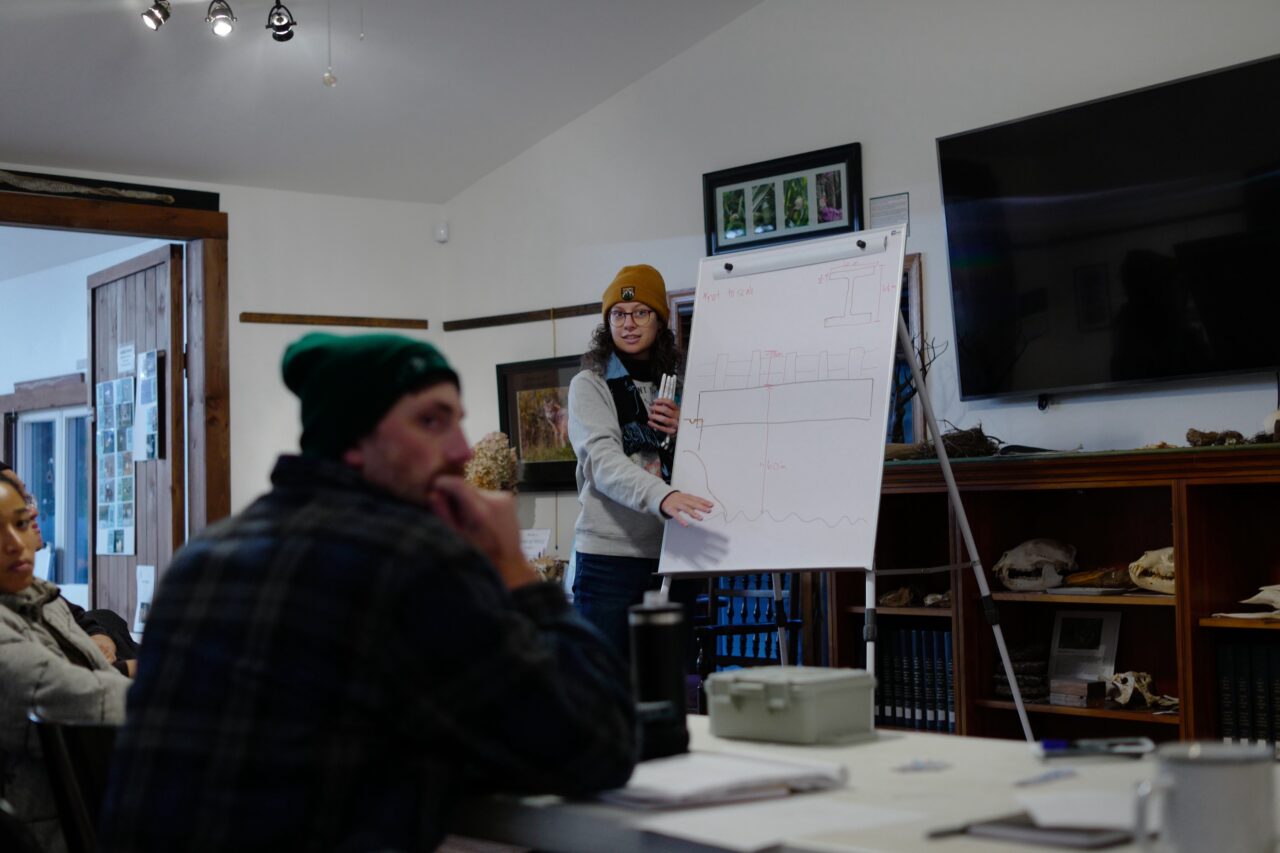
756 826
1110 809
710 777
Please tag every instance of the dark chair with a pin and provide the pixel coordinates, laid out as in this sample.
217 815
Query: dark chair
78 759
14 835
740 627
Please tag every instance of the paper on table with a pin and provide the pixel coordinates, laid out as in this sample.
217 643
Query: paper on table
709 777
1103 808
755 826
1264 615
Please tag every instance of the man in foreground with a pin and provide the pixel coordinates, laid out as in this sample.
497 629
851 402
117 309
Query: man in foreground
331 668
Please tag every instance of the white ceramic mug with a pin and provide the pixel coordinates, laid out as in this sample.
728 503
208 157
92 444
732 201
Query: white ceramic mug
1216 797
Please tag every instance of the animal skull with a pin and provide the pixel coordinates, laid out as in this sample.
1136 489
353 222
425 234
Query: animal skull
1122 686
1154 570
1035 564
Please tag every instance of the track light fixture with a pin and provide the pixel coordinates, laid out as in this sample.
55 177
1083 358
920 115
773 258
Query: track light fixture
221 18
155 17
281 22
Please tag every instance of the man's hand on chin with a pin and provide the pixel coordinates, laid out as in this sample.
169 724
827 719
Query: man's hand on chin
488 521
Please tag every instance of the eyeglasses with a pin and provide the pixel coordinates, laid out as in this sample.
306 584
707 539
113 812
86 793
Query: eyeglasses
641 316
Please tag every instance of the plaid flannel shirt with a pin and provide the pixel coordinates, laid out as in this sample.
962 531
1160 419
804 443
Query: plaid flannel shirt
330 669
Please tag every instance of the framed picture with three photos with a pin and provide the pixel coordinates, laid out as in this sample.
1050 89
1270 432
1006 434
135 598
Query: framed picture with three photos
815 194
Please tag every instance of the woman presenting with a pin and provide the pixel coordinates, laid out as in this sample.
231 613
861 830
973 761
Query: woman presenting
621 434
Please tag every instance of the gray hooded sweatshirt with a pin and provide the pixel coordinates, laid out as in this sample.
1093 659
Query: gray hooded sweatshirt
36 672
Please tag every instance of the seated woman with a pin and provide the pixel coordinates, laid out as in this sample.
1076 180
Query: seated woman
46 661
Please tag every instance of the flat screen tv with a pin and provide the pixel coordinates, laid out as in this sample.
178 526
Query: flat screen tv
1126 240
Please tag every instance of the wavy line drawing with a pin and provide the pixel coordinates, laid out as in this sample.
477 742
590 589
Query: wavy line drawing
726 518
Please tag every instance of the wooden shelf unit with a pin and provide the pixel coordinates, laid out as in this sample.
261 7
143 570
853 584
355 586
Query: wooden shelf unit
1216 506
1133 716
928 612
1126 600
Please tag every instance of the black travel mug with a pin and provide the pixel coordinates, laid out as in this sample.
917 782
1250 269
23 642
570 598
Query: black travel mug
658 675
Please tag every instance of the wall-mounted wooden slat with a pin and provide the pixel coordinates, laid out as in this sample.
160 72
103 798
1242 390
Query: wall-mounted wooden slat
584 310
331 320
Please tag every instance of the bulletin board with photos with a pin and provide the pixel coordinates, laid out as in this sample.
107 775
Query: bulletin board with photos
114 450
127 430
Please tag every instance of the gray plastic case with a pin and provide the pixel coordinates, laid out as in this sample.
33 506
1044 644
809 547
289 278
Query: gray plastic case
792 704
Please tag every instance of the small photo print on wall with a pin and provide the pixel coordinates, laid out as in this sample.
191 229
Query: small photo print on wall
796 197
733 206
830 197
764 209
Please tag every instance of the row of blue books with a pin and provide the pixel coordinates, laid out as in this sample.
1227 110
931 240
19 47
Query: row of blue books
915 686
1249 692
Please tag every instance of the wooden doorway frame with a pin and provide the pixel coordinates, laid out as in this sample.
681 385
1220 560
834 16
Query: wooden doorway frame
207 358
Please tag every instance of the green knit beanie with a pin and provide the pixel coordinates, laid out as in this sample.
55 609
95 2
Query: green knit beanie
346 384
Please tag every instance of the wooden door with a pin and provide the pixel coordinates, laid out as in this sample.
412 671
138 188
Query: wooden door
137 304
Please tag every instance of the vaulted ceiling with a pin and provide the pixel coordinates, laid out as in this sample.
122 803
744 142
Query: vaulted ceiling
436 93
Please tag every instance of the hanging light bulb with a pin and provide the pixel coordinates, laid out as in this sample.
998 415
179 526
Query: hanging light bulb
155 17
221 18
329 79
281 22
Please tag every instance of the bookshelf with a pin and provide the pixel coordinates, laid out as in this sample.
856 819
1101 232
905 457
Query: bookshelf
1217 506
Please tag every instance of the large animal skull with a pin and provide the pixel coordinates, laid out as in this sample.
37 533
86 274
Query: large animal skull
1036 564
1122 686
1154 570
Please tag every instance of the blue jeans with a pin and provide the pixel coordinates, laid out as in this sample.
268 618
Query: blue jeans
605 586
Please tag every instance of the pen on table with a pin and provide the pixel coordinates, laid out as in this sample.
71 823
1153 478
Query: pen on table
1047 776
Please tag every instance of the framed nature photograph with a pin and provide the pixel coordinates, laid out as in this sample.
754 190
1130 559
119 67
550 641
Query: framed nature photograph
533 410
815 194
1084 644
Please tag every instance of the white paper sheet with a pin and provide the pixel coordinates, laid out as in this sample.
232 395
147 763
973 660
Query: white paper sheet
757 826
1104 808
710 777
146 587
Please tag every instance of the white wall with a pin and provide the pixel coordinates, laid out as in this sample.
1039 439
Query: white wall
312 254
47 317
307 254
621 184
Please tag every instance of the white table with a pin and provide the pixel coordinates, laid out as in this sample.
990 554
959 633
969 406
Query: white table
977 784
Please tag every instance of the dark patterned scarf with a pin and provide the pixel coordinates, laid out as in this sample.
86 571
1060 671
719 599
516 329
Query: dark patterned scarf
633 418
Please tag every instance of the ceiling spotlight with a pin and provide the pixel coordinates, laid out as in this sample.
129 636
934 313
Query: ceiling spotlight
281 23
221 17
155 17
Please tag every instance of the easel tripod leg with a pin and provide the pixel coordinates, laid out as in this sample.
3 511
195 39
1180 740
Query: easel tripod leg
988 605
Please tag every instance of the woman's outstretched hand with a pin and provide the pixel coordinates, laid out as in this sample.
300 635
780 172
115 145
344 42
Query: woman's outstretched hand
678 505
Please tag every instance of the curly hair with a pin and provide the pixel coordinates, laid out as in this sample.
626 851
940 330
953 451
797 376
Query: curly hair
8 475
664 355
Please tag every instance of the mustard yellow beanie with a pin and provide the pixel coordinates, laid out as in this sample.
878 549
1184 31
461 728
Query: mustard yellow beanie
637 283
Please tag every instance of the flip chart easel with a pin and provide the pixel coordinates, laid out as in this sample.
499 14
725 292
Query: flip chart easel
783 417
